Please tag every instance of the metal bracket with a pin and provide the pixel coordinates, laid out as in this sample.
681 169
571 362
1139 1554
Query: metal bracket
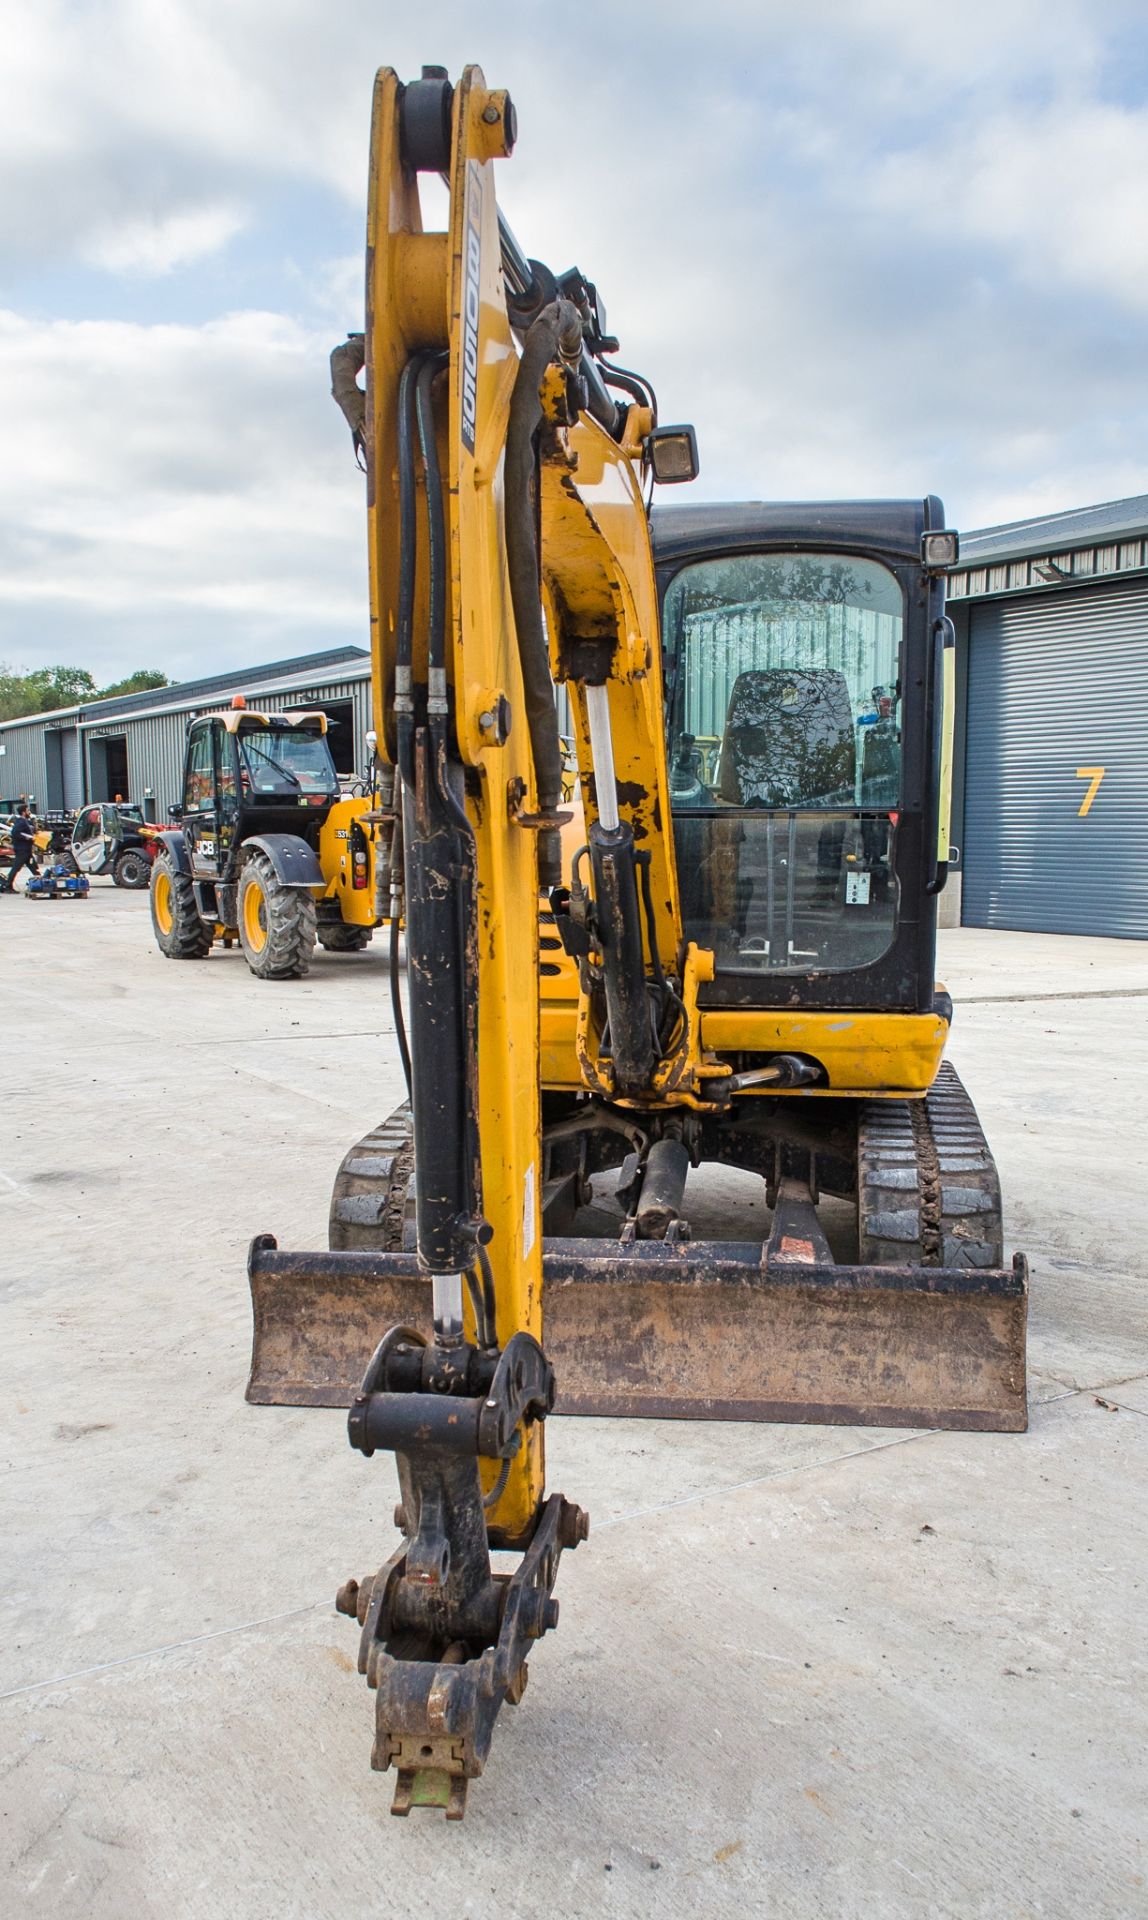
435 1715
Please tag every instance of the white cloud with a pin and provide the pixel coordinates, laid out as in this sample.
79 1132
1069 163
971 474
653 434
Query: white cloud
1057 193
159 243
155 475
867 248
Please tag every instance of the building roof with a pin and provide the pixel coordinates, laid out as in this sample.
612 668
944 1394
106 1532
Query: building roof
335 663
1057 532
1052 551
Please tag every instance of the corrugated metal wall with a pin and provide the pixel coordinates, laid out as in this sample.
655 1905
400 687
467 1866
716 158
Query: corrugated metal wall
154 742
1057 692
155 754
22 765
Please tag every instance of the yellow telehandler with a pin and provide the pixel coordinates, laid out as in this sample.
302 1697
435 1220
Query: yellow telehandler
725 955
269 852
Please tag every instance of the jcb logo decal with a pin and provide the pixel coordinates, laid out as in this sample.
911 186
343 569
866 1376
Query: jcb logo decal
472 271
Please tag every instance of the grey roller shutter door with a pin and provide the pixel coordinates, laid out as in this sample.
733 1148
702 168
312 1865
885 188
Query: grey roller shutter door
1056 684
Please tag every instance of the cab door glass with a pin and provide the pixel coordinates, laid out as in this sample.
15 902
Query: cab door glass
199 808
785 757
87 839
199 784
227 787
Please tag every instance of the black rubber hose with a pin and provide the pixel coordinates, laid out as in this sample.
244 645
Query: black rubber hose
474 1288
600 402
642 862
436 559
408 556
397 1006
404 629
436 520
555 333
632 383
488 1295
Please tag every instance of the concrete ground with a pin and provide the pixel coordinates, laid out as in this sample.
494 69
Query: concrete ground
807 1672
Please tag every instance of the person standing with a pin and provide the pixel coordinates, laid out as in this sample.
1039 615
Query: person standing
23 845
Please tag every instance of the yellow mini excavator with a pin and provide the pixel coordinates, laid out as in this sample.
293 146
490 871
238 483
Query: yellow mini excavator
724 954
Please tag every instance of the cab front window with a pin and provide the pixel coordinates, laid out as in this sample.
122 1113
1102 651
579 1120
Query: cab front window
785 757
284 761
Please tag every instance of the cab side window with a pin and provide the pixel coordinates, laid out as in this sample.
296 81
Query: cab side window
88 826
199 790
227 760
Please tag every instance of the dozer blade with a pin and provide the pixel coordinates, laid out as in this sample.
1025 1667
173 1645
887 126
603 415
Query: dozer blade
695 1330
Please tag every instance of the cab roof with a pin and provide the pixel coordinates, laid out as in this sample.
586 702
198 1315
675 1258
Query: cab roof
889 528
235 718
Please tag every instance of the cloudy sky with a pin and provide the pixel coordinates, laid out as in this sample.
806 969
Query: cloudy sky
867 246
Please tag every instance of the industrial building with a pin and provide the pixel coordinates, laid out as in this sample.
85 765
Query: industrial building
131 747
1051 750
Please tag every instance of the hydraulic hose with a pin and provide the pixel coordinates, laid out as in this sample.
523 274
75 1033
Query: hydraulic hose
429 366
408 551
632 383
397 1005
436 614
440 865
555 335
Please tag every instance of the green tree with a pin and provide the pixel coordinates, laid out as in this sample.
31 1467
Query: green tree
46 688
42 690
143 680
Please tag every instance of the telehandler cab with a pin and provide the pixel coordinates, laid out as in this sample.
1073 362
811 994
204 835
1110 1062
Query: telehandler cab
732 960
268 851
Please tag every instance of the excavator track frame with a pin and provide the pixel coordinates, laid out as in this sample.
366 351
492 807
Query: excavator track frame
927 1329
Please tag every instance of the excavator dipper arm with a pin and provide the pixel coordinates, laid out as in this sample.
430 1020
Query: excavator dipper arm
459 713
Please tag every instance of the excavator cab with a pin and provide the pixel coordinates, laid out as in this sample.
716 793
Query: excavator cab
806 853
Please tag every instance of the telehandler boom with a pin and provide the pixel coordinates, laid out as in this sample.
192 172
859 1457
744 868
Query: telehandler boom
726 954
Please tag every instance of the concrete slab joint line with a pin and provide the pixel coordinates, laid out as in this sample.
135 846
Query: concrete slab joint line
703 1494
1090 993
158 1653
616 1520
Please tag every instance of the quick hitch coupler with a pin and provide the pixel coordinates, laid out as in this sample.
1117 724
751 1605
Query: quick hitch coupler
444 1639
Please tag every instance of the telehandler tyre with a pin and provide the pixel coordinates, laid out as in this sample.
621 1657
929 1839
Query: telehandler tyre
344 939
179 931
132 870
277 924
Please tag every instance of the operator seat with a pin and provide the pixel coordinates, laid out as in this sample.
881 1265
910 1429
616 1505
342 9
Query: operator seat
789 746
789 739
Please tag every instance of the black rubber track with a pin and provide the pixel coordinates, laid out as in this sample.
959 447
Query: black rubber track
928 1193
928 1189
372 1207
